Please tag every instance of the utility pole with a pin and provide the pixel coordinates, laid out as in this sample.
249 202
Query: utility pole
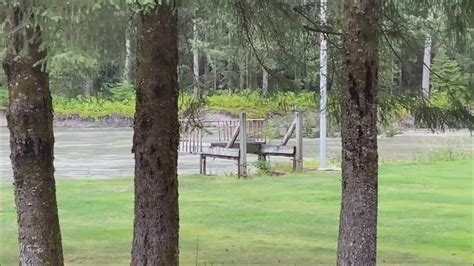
323 61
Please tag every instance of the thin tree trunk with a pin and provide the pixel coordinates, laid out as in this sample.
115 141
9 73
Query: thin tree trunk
358 220
206 65
323 63
197 89
305 64
264 82
400 77
127 69
247 71
215 76
88 87
242 72
30 120
426 68
155 140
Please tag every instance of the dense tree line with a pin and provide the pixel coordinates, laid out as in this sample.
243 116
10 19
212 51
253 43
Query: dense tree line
87 57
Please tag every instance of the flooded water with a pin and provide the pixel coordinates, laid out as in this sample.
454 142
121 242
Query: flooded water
106 152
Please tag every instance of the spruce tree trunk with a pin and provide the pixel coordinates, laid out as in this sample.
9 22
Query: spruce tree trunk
358 220
30 121
156 138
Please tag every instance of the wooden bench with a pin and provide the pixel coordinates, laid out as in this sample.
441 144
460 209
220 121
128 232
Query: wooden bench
217 152
238 145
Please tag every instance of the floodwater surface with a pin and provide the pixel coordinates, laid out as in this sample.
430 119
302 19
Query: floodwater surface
106 152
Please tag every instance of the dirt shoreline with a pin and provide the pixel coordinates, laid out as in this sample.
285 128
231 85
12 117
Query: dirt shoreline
109 121
124 122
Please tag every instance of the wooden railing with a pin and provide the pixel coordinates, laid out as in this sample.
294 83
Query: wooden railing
193 132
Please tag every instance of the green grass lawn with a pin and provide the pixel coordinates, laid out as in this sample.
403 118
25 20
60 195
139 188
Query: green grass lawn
425 218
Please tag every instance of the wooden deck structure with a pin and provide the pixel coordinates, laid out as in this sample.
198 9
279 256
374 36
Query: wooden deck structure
237 138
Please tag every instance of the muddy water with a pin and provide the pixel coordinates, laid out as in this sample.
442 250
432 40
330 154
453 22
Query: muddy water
106 152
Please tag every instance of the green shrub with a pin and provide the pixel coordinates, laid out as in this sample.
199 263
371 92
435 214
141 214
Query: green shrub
92 107
122 92
263 167
272 132
256 106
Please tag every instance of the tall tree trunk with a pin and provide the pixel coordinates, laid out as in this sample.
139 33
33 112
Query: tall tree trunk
358 220
425 84
264 82
323 84
30 120
197 88
214 68
206 66
156 138
305 64
247 71
242 72
127 69
88 87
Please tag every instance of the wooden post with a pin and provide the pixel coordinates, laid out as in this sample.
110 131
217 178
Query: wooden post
288 134
201 131
299 142
204 165
243 145
238 167
294 163
200 163
234 137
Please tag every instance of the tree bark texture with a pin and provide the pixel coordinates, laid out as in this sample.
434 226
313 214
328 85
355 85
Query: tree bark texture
156 138
30 121
358 219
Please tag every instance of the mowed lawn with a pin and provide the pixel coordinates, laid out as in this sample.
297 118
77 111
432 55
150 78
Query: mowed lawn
425 217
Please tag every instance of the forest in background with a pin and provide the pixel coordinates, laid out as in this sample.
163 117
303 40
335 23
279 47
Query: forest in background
263 64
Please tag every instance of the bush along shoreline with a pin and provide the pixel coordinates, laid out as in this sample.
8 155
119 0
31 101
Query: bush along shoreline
116 108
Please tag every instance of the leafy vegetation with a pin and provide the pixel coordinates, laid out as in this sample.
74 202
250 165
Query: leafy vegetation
255 105
120 101
442 110
3 97
268 220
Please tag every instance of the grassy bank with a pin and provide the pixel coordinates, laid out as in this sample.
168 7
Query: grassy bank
425 217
